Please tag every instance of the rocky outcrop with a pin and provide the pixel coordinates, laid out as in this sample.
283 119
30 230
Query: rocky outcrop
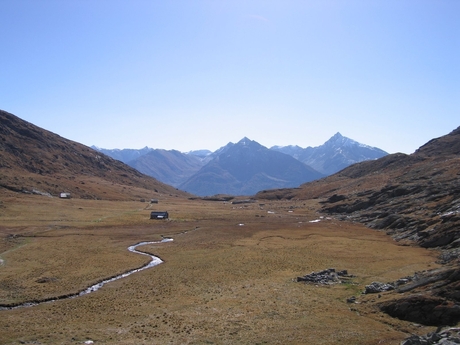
429 297
448 336
326 277
376 287
427 216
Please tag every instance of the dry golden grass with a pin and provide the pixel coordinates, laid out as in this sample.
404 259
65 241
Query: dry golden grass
227 277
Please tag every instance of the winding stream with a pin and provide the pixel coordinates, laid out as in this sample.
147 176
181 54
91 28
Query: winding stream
153 262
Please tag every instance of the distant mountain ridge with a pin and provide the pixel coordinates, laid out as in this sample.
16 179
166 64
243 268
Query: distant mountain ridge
178 169
124 155
169 166
247 167
334 155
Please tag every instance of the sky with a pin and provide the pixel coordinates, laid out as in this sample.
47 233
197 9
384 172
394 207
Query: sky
198 74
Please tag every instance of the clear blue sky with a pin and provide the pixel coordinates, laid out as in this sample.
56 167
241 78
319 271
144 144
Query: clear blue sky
198 74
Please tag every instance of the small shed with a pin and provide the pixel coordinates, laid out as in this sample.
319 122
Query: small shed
159 215
64 195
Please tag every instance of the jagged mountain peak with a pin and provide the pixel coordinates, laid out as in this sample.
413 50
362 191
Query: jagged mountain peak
248 142
244 141
339 140
337 136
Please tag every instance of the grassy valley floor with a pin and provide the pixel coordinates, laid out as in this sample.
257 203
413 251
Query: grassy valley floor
227 278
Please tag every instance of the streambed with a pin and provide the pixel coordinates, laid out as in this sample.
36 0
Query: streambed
153 262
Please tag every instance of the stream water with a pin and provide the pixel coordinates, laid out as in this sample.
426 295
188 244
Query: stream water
153 262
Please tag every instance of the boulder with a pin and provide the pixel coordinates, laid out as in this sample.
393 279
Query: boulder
449 336
376 287
325 277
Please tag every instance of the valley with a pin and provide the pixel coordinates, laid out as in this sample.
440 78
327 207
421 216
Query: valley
228 276
230 173
69 214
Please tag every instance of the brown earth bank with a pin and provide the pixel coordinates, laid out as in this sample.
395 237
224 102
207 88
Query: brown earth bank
229 276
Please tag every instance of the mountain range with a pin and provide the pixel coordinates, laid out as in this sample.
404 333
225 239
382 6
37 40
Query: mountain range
245 167
334 155
52 164
413 198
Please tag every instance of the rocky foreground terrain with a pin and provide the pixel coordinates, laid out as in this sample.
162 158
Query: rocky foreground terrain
416 200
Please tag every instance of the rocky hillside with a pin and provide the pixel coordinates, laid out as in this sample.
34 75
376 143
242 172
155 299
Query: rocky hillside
34 160
415 199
